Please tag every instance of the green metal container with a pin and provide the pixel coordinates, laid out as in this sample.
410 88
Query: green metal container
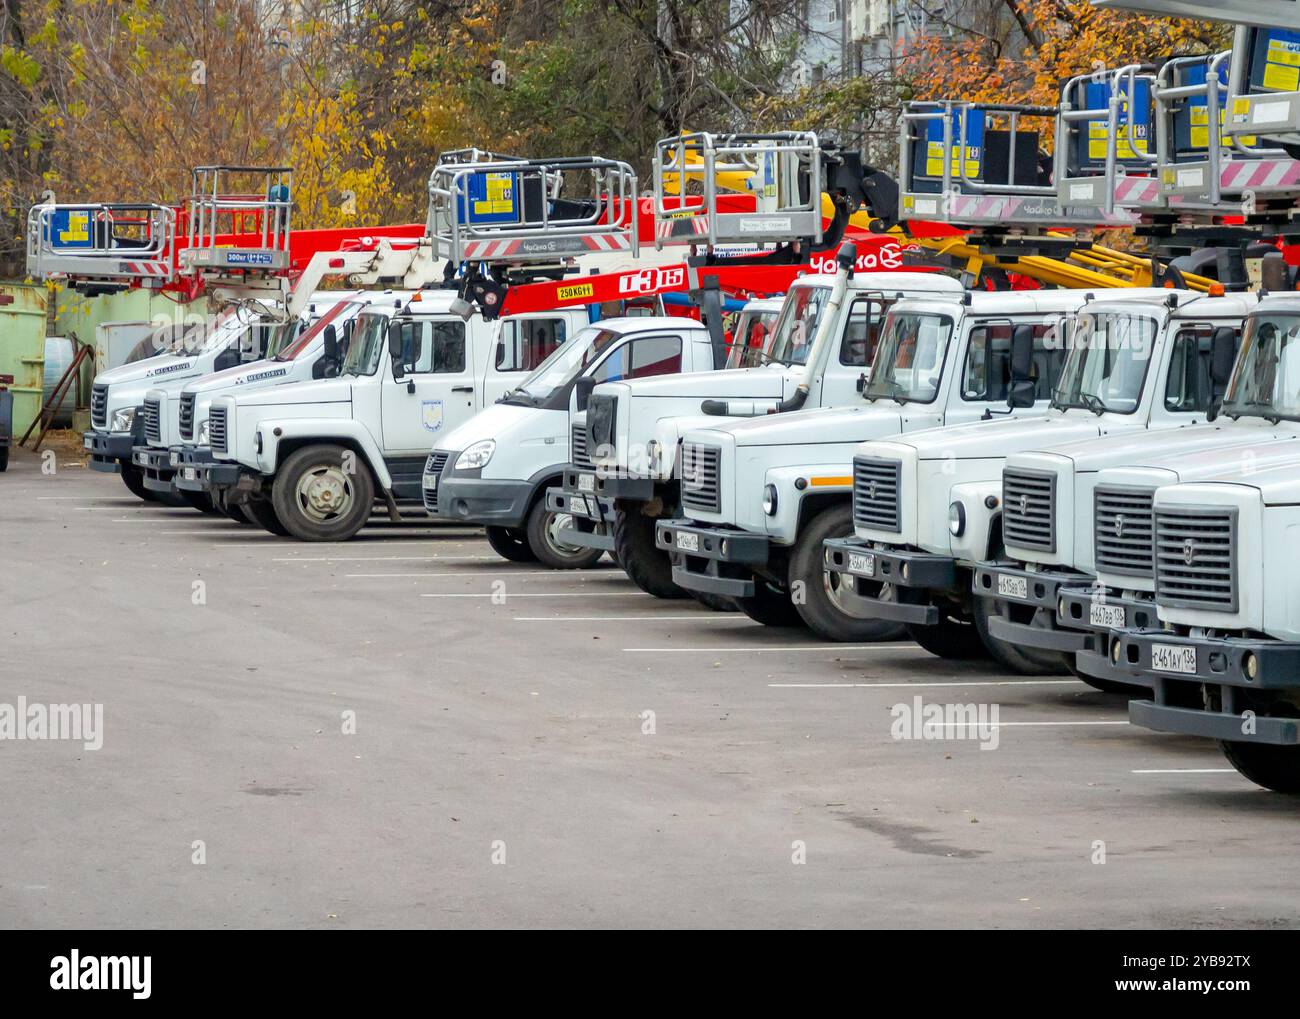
22 349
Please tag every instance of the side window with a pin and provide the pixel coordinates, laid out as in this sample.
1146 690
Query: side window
1187 387
642 358
862 333
433 347
986 376
526 343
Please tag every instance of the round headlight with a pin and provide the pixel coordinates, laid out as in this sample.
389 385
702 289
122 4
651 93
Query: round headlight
957 519
769 500
476 456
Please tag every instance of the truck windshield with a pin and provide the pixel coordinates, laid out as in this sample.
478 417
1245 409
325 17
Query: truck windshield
369 339
1267 380
750 339
179 338
797 326
565 364
282 335
909 360
1107 365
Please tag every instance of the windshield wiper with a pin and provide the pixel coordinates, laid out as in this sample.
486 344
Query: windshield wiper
1092 402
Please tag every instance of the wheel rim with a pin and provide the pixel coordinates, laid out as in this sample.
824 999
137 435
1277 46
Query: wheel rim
324 493
555 523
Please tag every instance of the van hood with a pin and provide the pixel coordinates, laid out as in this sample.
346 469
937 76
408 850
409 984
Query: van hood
509 424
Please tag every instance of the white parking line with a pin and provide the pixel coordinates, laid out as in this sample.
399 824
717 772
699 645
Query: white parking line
435 576
976 682
745 649
383 558
1183 771
548 594
1006 724
711 617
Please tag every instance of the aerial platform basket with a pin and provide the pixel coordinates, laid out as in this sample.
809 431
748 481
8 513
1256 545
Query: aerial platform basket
785 171
242 200
1265 84
531 211
95 244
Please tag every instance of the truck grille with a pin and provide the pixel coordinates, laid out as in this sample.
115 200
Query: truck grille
152 420
434 465
187 417
99 406
876 493
578 447
701 488
1196 552
217 429
1029 509
1122 530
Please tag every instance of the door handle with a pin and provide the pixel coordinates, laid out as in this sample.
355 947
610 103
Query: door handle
462 389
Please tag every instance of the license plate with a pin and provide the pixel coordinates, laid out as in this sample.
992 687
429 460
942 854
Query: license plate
189 474
1177 658
578 504
688 542
431 482
862 563
88 443
1012 587
586 482
1111 617
174 459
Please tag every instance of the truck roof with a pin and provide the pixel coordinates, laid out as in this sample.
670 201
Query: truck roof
1190 305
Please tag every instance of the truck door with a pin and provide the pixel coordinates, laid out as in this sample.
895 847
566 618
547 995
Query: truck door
849 361
436 390
986 369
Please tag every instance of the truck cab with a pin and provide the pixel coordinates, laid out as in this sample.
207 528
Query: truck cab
929 507
1072 577
185 350
822 348
309 460
495 469
760 496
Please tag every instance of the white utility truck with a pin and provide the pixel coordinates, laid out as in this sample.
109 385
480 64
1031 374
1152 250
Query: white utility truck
495 469
820 353
929 507
760 496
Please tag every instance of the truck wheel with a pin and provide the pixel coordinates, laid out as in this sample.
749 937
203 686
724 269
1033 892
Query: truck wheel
544 539
823 605
262 513
200 501
1266 764
510 543
231 512
716 602
648 567
4 458
1107 685
133 478
1025 661
770 606
951 638
317 499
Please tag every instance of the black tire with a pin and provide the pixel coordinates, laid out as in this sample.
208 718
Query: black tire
230 511
820 606
200 501
1273 767
1024 661
4 458
317 499
511 544
648 567
133 478
770 606
1108 685
546 544
952 638
716 602
262 513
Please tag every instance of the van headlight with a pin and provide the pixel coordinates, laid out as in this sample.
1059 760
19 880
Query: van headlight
201 436
769 500
957 519
476 456
123 419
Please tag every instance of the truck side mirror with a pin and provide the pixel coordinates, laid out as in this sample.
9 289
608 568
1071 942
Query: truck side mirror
582 389
1022 354
1223 355
330 342
395 348
328 365
1022 393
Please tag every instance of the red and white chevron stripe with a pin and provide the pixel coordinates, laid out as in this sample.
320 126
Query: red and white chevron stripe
1260 175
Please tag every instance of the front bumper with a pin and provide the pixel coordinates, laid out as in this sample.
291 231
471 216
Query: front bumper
156 467
192 465
1033 594
858 562
713 560
109 450
589 500
483 501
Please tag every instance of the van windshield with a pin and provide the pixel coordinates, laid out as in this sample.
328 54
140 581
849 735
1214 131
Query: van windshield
797 327
1267 380
1106 369
909 360
565 364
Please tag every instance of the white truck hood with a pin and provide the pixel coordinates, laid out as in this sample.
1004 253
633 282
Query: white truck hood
819 425
319 391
